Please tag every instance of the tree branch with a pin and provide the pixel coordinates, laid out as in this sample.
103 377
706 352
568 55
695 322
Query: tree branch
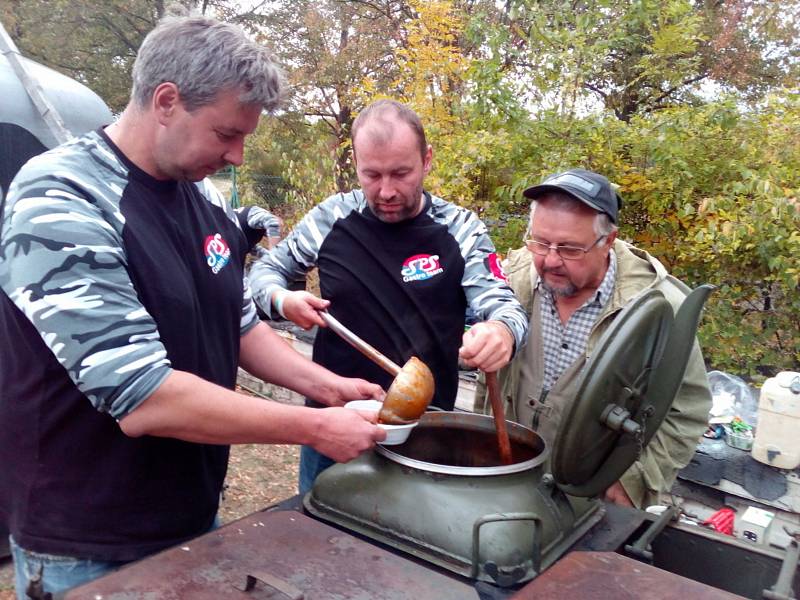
675 88
120 35
596 90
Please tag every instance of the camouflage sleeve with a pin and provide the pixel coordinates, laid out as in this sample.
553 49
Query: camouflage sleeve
290 260
249 314
62 263
261 218
273 226
484 283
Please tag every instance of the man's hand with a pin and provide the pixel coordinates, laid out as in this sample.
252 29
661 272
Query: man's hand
343 434
344 389
616 494
301 308
487 346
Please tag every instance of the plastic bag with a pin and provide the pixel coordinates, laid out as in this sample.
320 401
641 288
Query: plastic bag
731 397
722 520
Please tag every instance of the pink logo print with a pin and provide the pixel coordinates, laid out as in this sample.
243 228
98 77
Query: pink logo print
218 254
420 267
493 262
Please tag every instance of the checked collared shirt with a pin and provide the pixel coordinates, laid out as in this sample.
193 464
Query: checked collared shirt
563 344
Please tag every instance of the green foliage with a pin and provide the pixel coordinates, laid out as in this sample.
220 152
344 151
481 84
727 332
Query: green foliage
636 56
92 42
712 191
301 153
717 199
711 187
95 41
337 55
692 107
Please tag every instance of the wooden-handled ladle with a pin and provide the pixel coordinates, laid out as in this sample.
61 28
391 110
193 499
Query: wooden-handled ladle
412 388
503 442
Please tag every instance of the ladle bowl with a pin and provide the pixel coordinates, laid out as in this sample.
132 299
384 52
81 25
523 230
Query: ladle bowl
409 395
412 389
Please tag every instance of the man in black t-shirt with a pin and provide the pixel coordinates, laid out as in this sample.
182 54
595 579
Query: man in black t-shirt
398 266
124 319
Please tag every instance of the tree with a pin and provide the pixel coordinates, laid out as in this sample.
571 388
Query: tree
347 54
101 57
95 42
714 192
338 54
644 55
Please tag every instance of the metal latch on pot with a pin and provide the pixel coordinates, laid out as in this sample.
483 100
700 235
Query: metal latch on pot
618 419
266 586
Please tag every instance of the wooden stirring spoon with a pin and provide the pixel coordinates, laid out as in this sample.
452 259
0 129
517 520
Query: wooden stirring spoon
499 418
412 389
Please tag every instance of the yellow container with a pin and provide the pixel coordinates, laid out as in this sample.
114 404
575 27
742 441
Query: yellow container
777 441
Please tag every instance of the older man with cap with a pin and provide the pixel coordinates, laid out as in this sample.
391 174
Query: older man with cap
574 277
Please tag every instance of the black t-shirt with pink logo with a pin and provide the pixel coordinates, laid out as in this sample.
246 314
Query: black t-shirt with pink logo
110 280
186 261
402 287
398 286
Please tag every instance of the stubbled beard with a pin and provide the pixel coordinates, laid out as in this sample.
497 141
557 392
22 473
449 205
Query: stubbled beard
403 215
561 292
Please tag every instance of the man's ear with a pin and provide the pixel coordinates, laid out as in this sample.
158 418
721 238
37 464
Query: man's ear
427 159
166 99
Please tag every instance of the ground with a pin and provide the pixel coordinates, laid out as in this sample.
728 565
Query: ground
258 475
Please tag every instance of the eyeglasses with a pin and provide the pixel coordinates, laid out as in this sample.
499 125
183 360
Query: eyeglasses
565 252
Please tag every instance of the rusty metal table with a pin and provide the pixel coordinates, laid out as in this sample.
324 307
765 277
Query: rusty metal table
582 575
281 553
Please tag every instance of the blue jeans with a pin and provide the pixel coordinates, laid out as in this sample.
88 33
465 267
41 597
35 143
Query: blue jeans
312 463
56 573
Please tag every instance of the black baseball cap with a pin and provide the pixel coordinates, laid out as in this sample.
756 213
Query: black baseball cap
592 189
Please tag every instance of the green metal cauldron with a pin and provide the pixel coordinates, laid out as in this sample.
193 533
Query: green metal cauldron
446 497
441 496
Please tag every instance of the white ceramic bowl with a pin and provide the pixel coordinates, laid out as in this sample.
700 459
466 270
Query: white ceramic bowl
395 434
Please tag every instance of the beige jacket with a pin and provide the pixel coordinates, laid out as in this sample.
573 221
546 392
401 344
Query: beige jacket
674 444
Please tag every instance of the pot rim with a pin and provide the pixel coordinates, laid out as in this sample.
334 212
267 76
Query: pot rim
476 422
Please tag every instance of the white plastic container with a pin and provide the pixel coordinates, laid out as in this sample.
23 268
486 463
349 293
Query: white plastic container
754 525
777 441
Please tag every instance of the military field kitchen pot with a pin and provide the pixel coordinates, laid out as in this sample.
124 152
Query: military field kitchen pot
445 496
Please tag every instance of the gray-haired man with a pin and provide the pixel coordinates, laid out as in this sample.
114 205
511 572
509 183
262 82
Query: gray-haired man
124 318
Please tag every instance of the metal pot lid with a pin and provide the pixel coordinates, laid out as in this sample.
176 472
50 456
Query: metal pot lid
604 428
